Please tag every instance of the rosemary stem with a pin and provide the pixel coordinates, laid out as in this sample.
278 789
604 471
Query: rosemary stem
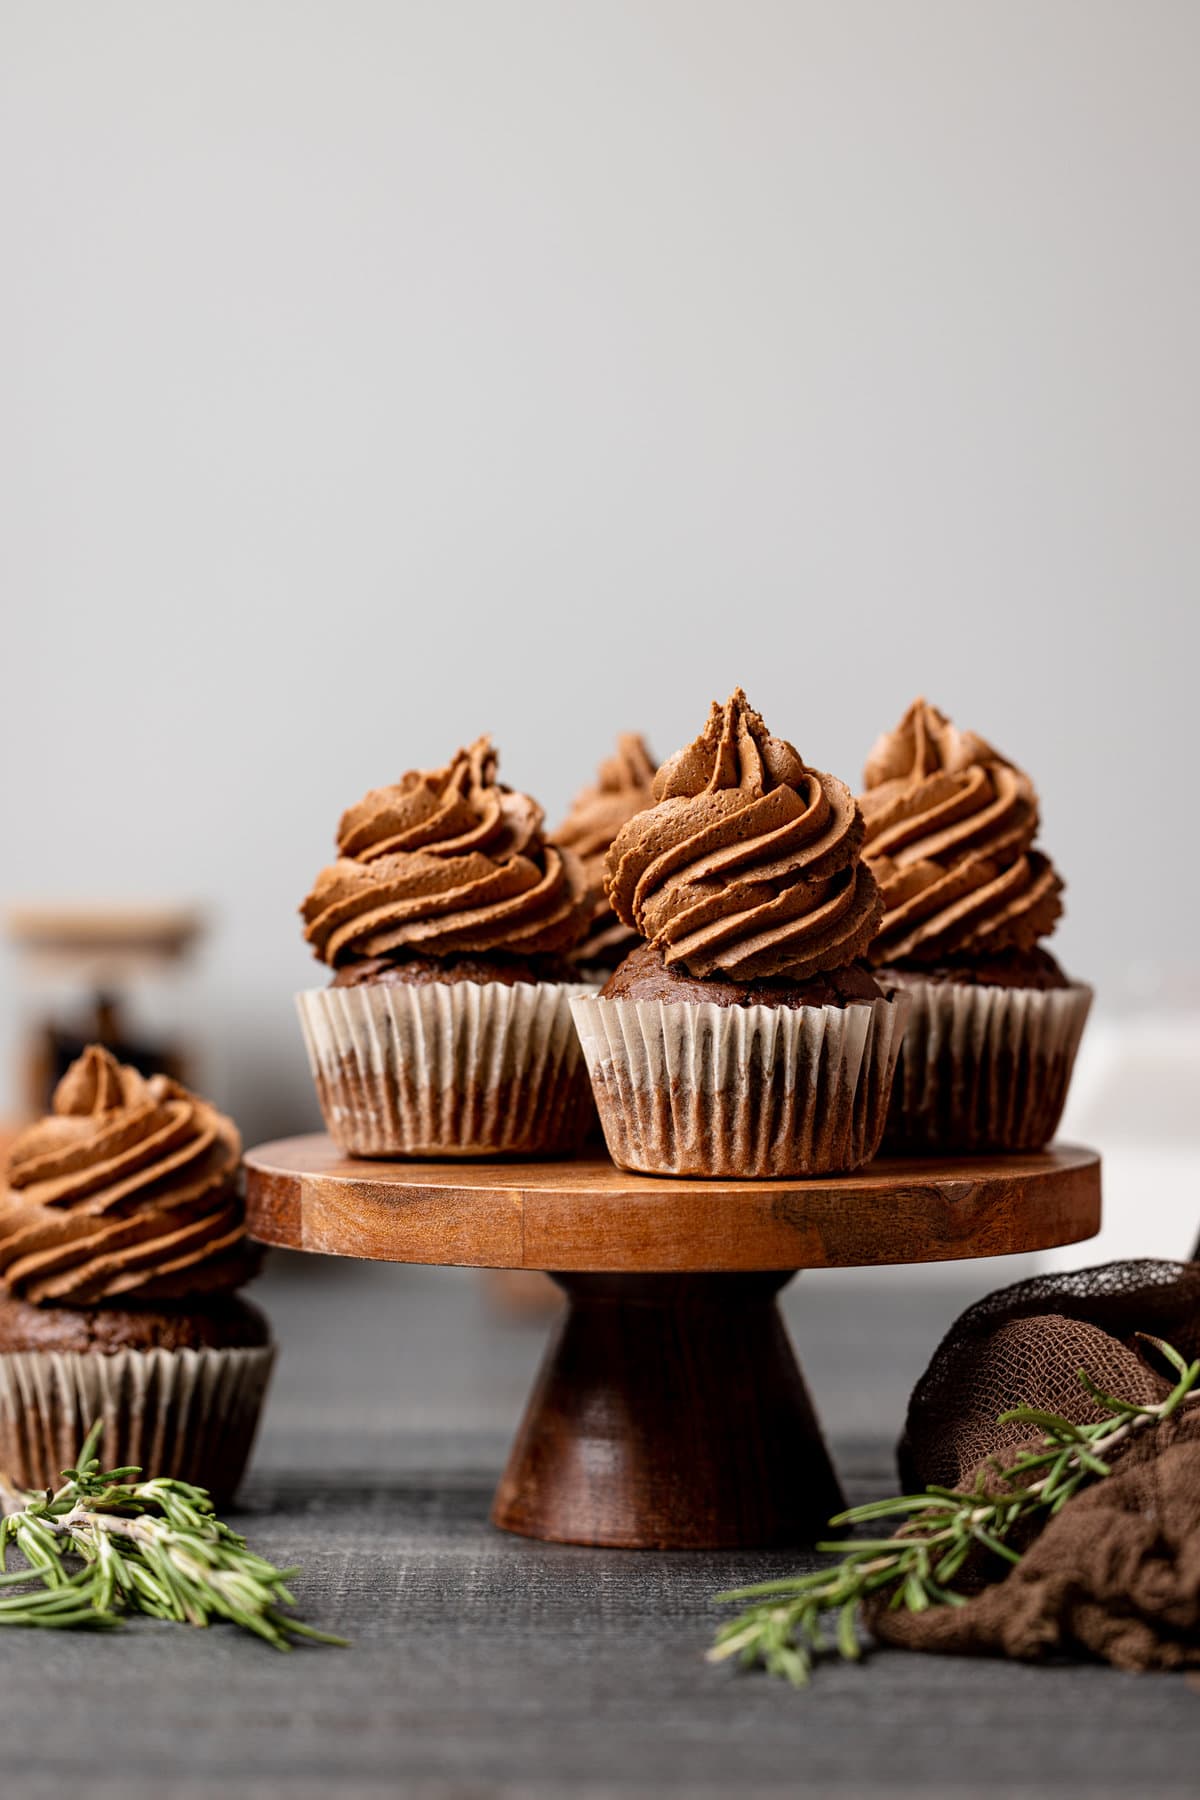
106 1544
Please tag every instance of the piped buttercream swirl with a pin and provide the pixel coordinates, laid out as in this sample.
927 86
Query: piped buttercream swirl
445 861
128 1190
950 828
748 864
623 788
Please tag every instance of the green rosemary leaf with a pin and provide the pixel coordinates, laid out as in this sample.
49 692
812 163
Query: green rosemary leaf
994 1544
949 1566
297 1628
883 1509
856 1546
1166 1351
848 1642
786 1584
945 1596
1051 1423
731 1638
1110 1401
882 1577
914 1595
1182 1389
1093 1463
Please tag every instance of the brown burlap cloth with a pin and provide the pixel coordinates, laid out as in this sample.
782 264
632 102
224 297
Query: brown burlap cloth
1115 1574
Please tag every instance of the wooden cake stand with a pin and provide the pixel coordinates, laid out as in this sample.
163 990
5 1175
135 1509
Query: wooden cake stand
670 1412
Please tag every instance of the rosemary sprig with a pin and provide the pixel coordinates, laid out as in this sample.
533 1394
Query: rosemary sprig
106 1544
786 1628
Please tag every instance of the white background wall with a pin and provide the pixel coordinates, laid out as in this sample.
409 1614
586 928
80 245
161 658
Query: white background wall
376 374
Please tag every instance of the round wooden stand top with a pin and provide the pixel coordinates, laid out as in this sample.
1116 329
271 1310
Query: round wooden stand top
584 1215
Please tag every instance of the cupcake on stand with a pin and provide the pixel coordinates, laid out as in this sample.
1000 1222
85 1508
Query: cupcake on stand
968 901
447 923
744 1036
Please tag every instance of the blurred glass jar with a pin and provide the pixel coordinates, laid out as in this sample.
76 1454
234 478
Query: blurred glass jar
115 975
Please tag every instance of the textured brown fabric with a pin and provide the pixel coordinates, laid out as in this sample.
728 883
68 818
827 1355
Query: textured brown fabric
1116 1574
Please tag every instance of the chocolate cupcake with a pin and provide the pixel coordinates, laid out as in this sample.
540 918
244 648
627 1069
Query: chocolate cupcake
448 921
122 1242
623 787
995 1023
744 1036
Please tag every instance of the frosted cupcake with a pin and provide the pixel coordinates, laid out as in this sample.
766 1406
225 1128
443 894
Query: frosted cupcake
995 1023
743 1036
122 1242
623 788
447 920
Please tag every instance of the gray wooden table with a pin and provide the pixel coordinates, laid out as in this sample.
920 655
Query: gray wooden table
488 1666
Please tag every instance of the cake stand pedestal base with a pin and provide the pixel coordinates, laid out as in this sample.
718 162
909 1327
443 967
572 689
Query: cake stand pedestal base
669 1413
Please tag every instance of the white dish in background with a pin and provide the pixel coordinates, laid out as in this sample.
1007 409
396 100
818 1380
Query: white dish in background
1135 1097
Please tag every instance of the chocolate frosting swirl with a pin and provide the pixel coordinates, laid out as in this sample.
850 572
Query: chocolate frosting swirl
950 825
623 788
128 1190
446 861
748 864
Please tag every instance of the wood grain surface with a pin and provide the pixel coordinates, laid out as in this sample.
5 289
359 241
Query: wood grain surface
669 1414
586 1216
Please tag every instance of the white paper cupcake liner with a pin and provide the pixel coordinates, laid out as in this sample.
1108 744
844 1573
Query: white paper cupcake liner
191 1414
698 1089
983 1068
473 1069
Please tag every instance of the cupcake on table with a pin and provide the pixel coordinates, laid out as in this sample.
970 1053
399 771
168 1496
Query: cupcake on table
448 921
623 788
744 1035
995 1023
122 1242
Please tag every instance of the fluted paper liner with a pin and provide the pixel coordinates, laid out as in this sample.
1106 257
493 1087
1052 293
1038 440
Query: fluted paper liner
697 1089
984 1068
473 1069
191 1414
